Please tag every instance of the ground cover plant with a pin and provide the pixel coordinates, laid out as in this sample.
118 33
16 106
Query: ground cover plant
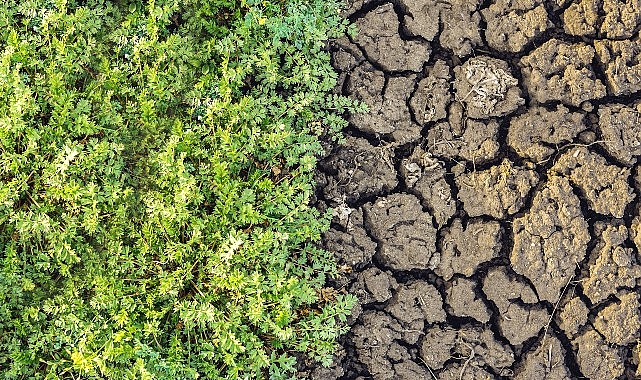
156 162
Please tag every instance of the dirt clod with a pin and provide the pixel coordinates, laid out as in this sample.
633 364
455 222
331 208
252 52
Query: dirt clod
596 359
362 170
513 24
605 186
383 45
477 143
581 18
546 362
504 292
405 233
429 102
373 285
463 301
464 249
498 192
620 322
353 247
413 306
622 63
561 71
550 239
573 316
539 133
615 265
621 131
387 101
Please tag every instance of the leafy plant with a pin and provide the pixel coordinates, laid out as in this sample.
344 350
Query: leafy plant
156 164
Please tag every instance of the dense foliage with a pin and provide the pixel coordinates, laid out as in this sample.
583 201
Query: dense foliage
156 162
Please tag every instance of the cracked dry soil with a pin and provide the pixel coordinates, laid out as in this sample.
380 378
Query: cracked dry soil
486 208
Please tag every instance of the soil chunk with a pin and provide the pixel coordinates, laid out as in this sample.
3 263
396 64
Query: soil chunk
362 170
605 186
373 285
464 249
581 18
615 266
550 238
477 142
558 70
596 359
383 45
497 192
620 322
546 362
352 247
474 346
622 17
376 343
426 175
463 301
504 292
405 233
539 132
413 306
573 316
463 24
512 24
487 88
424 17
622 63
429 102
387 101
621 131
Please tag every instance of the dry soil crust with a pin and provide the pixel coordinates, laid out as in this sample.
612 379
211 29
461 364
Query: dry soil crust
486 208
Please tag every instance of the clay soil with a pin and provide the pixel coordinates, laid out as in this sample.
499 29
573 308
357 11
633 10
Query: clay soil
486 208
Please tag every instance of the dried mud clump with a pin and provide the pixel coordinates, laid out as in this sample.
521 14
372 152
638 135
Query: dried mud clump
573 316
464 249
426 176
513 24
622 17
544 363
614 267
473 346
405 233
463 301
561 71
423 20
414 305
378 348
487 88
622 63
383 45
604 186
362 170
497 192
353 247
539 133
581 18
620 322
387 101
476 142
373 285
432 96
596 359
504 291
621 130
550 239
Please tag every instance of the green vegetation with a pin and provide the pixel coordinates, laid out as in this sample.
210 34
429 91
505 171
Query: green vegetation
156 162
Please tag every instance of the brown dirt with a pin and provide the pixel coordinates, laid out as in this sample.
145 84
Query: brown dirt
486 209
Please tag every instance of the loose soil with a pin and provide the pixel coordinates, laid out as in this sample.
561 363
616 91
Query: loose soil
486 209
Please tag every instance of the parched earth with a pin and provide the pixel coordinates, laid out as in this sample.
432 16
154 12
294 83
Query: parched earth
486 207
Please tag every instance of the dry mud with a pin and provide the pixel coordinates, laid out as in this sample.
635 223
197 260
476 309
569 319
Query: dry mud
486 207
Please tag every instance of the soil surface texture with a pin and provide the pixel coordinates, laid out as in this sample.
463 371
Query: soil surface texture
486 208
